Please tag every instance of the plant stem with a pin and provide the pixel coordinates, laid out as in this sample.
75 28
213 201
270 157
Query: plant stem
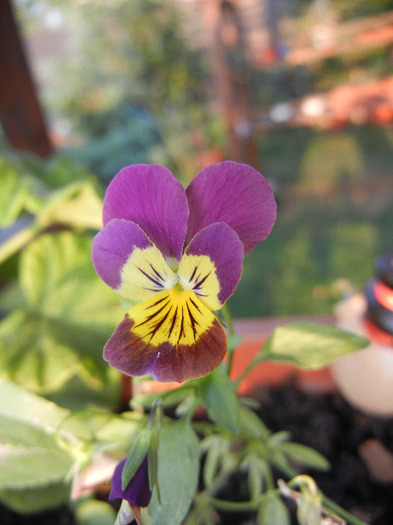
228 319
259 358
239 506
329 504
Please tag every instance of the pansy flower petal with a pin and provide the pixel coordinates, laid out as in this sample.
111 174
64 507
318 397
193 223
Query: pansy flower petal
212 264
233 193
126 259
173 336
150 196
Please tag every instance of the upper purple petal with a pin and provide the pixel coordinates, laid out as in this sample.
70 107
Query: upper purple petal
138 491
233 193
223 247
112 247
150 196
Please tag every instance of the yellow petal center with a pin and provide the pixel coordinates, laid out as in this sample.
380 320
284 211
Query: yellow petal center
176 316
146 274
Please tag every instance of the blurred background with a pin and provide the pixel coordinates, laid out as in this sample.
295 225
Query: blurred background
300 89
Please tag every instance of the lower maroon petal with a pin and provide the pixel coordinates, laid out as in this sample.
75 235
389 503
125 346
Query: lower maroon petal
166 362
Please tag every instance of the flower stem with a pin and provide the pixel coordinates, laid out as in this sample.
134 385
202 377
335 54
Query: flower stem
259 358
239 506
329 504
228 320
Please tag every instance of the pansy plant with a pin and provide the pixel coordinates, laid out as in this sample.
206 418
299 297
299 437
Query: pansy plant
177 253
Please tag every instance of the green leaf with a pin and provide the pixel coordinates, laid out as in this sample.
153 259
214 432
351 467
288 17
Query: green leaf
24 434
68 316
217 449
178 469
35 469
202 512
234 340
219 397
170 398
94 512
20 405
137 454
104 429
79 206
305 455
309 345
272 511
33 479
13 192
251 424
256 468
19 238
22 468
152 461
309 509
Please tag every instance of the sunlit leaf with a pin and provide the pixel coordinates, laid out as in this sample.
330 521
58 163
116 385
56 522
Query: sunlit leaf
22 468
13 192
94 512
68 316
20 405
79 205
309 345
35 470
34 479
108 430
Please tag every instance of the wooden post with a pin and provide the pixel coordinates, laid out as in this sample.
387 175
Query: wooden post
231 72
20 112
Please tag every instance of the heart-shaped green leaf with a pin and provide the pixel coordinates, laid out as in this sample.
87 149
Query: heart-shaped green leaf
309 345
67 317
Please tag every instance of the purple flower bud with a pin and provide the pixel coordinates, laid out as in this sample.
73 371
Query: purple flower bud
137 492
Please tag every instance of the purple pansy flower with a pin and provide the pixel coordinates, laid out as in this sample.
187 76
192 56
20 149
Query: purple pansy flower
179 253
136 495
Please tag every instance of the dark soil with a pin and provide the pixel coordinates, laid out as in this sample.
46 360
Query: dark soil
60 516
330 425
324 422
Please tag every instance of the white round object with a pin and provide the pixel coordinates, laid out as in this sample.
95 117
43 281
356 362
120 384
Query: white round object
365 377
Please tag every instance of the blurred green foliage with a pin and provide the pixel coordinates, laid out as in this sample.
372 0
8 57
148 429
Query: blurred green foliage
135 90
52 301
345 9
335 215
